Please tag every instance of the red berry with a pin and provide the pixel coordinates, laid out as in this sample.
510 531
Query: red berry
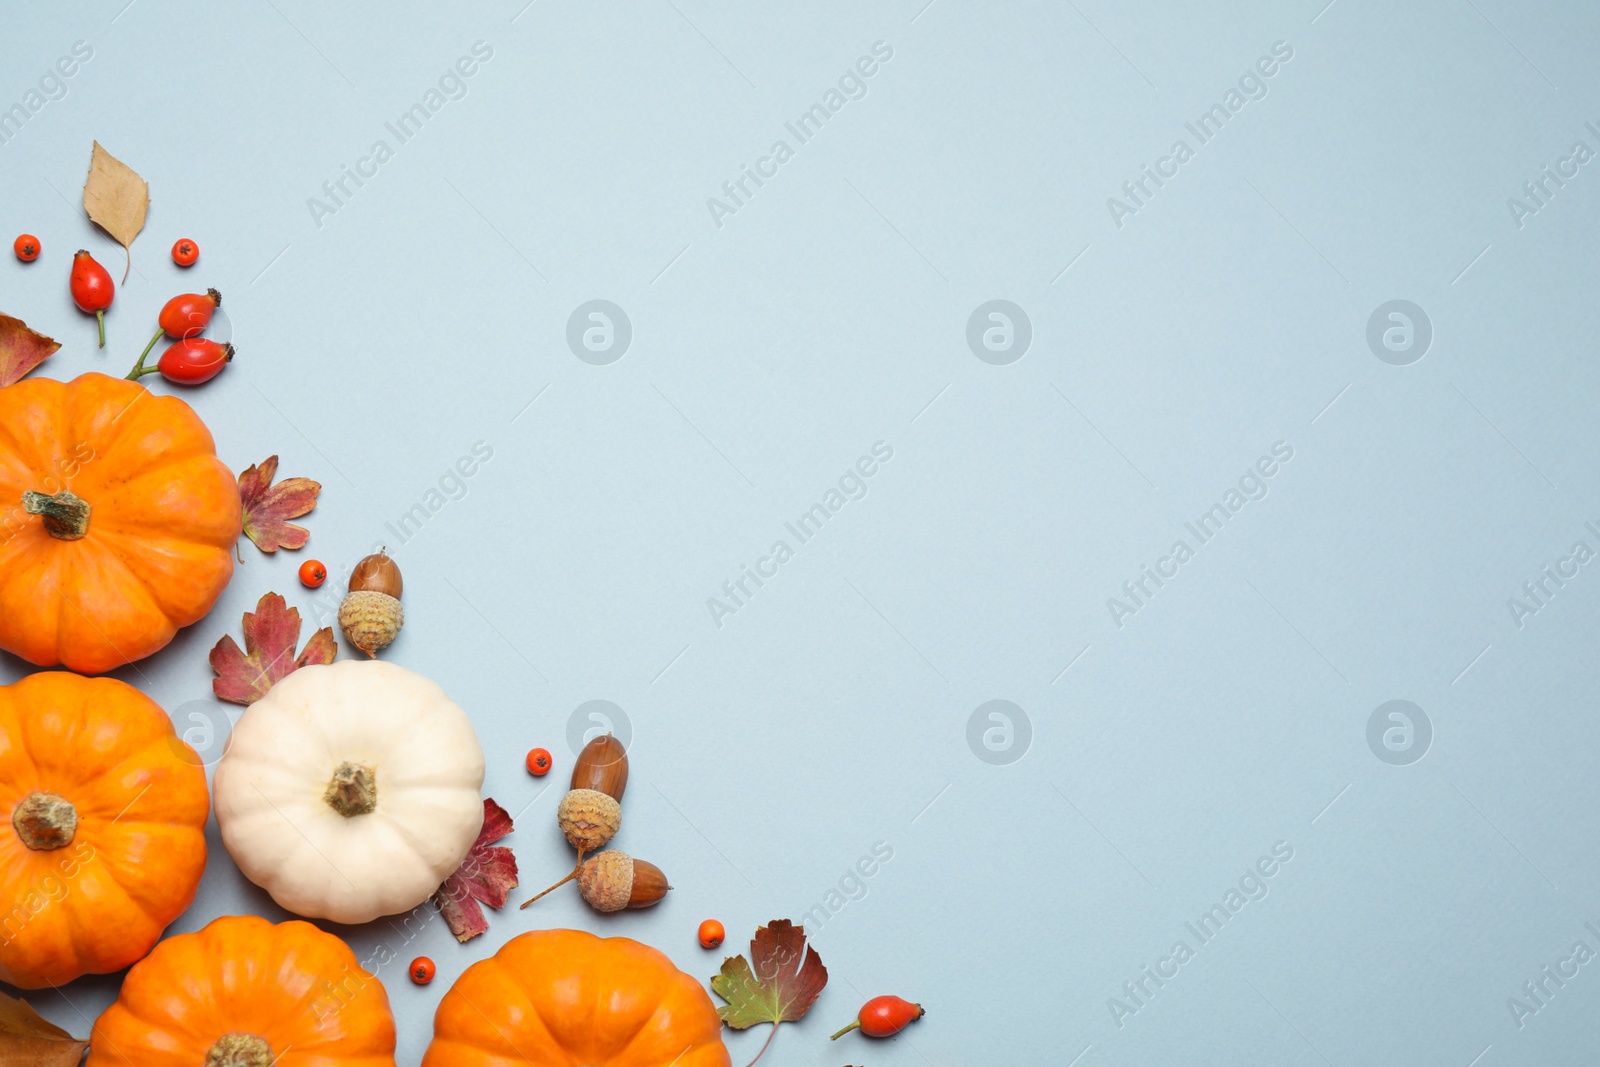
189 315
422 970
92 289
26 247
194 360
185 252
313 573
884 1017
711 934
539 762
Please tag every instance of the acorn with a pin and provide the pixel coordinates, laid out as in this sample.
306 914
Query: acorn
591 813
614 880
371 615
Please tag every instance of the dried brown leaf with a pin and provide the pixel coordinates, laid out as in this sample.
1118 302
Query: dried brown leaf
27 1040
116 199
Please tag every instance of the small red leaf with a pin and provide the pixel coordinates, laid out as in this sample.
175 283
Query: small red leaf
268 508
270 634
21 349
487 875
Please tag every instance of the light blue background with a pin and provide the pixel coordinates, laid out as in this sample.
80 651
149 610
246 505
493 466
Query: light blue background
829 313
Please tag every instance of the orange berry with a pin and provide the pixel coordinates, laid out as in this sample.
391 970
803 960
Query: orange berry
185 252
26 247
539 762
422 970
313 573
711 934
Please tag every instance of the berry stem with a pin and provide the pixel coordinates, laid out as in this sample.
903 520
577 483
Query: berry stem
846 1030
139 369
100 318
558 885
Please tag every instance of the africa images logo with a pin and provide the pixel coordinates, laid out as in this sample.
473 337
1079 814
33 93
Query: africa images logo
1252 85
1252 485
737 192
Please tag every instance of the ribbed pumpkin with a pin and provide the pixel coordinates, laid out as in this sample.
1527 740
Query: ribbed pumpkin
117 521
243 992
104 839
556 998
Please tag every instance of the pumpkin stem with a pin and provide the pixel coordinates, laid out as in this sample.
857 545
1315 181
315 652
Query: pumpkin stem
66 515
575 872
353 790
45 821
239 1050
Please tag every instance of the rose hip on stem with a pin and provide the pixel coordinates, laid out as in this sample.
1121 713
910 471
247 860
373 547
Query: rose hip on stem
884 1017
92 289
191 361
188 314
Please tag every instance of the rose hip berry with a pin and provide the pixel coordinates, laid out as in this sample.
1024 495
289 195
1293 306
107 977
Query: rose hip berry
191 361
711 934
422 970
185 252
26 247
539 762
188 314
884 1017
92 289
313 573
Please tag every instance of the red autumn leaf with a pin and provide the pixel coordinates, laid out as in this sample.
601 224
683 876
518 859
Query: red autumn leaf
787 977
21 349
487 875
270 634
268 508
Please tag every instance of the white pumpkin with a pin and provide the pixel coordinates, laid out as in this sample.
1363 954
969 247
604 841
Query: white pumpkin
350 791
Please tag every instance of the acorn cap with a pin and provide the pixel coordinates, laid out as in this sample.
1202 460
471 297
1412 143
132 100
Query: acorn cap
606 880
371 620
588 818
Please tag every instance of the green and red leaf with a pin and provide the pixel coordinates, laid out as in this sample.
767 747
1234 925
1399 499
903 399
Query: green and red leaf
785 980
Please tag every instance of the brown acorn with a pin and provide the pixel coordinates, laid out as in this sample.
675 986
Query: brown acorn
377 573
591 813
371 615
602 766
614 880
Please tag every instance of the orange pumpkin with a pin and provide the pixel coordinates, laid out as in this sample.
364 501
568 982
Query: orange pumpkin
117 521
104 842
563 997
246 993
